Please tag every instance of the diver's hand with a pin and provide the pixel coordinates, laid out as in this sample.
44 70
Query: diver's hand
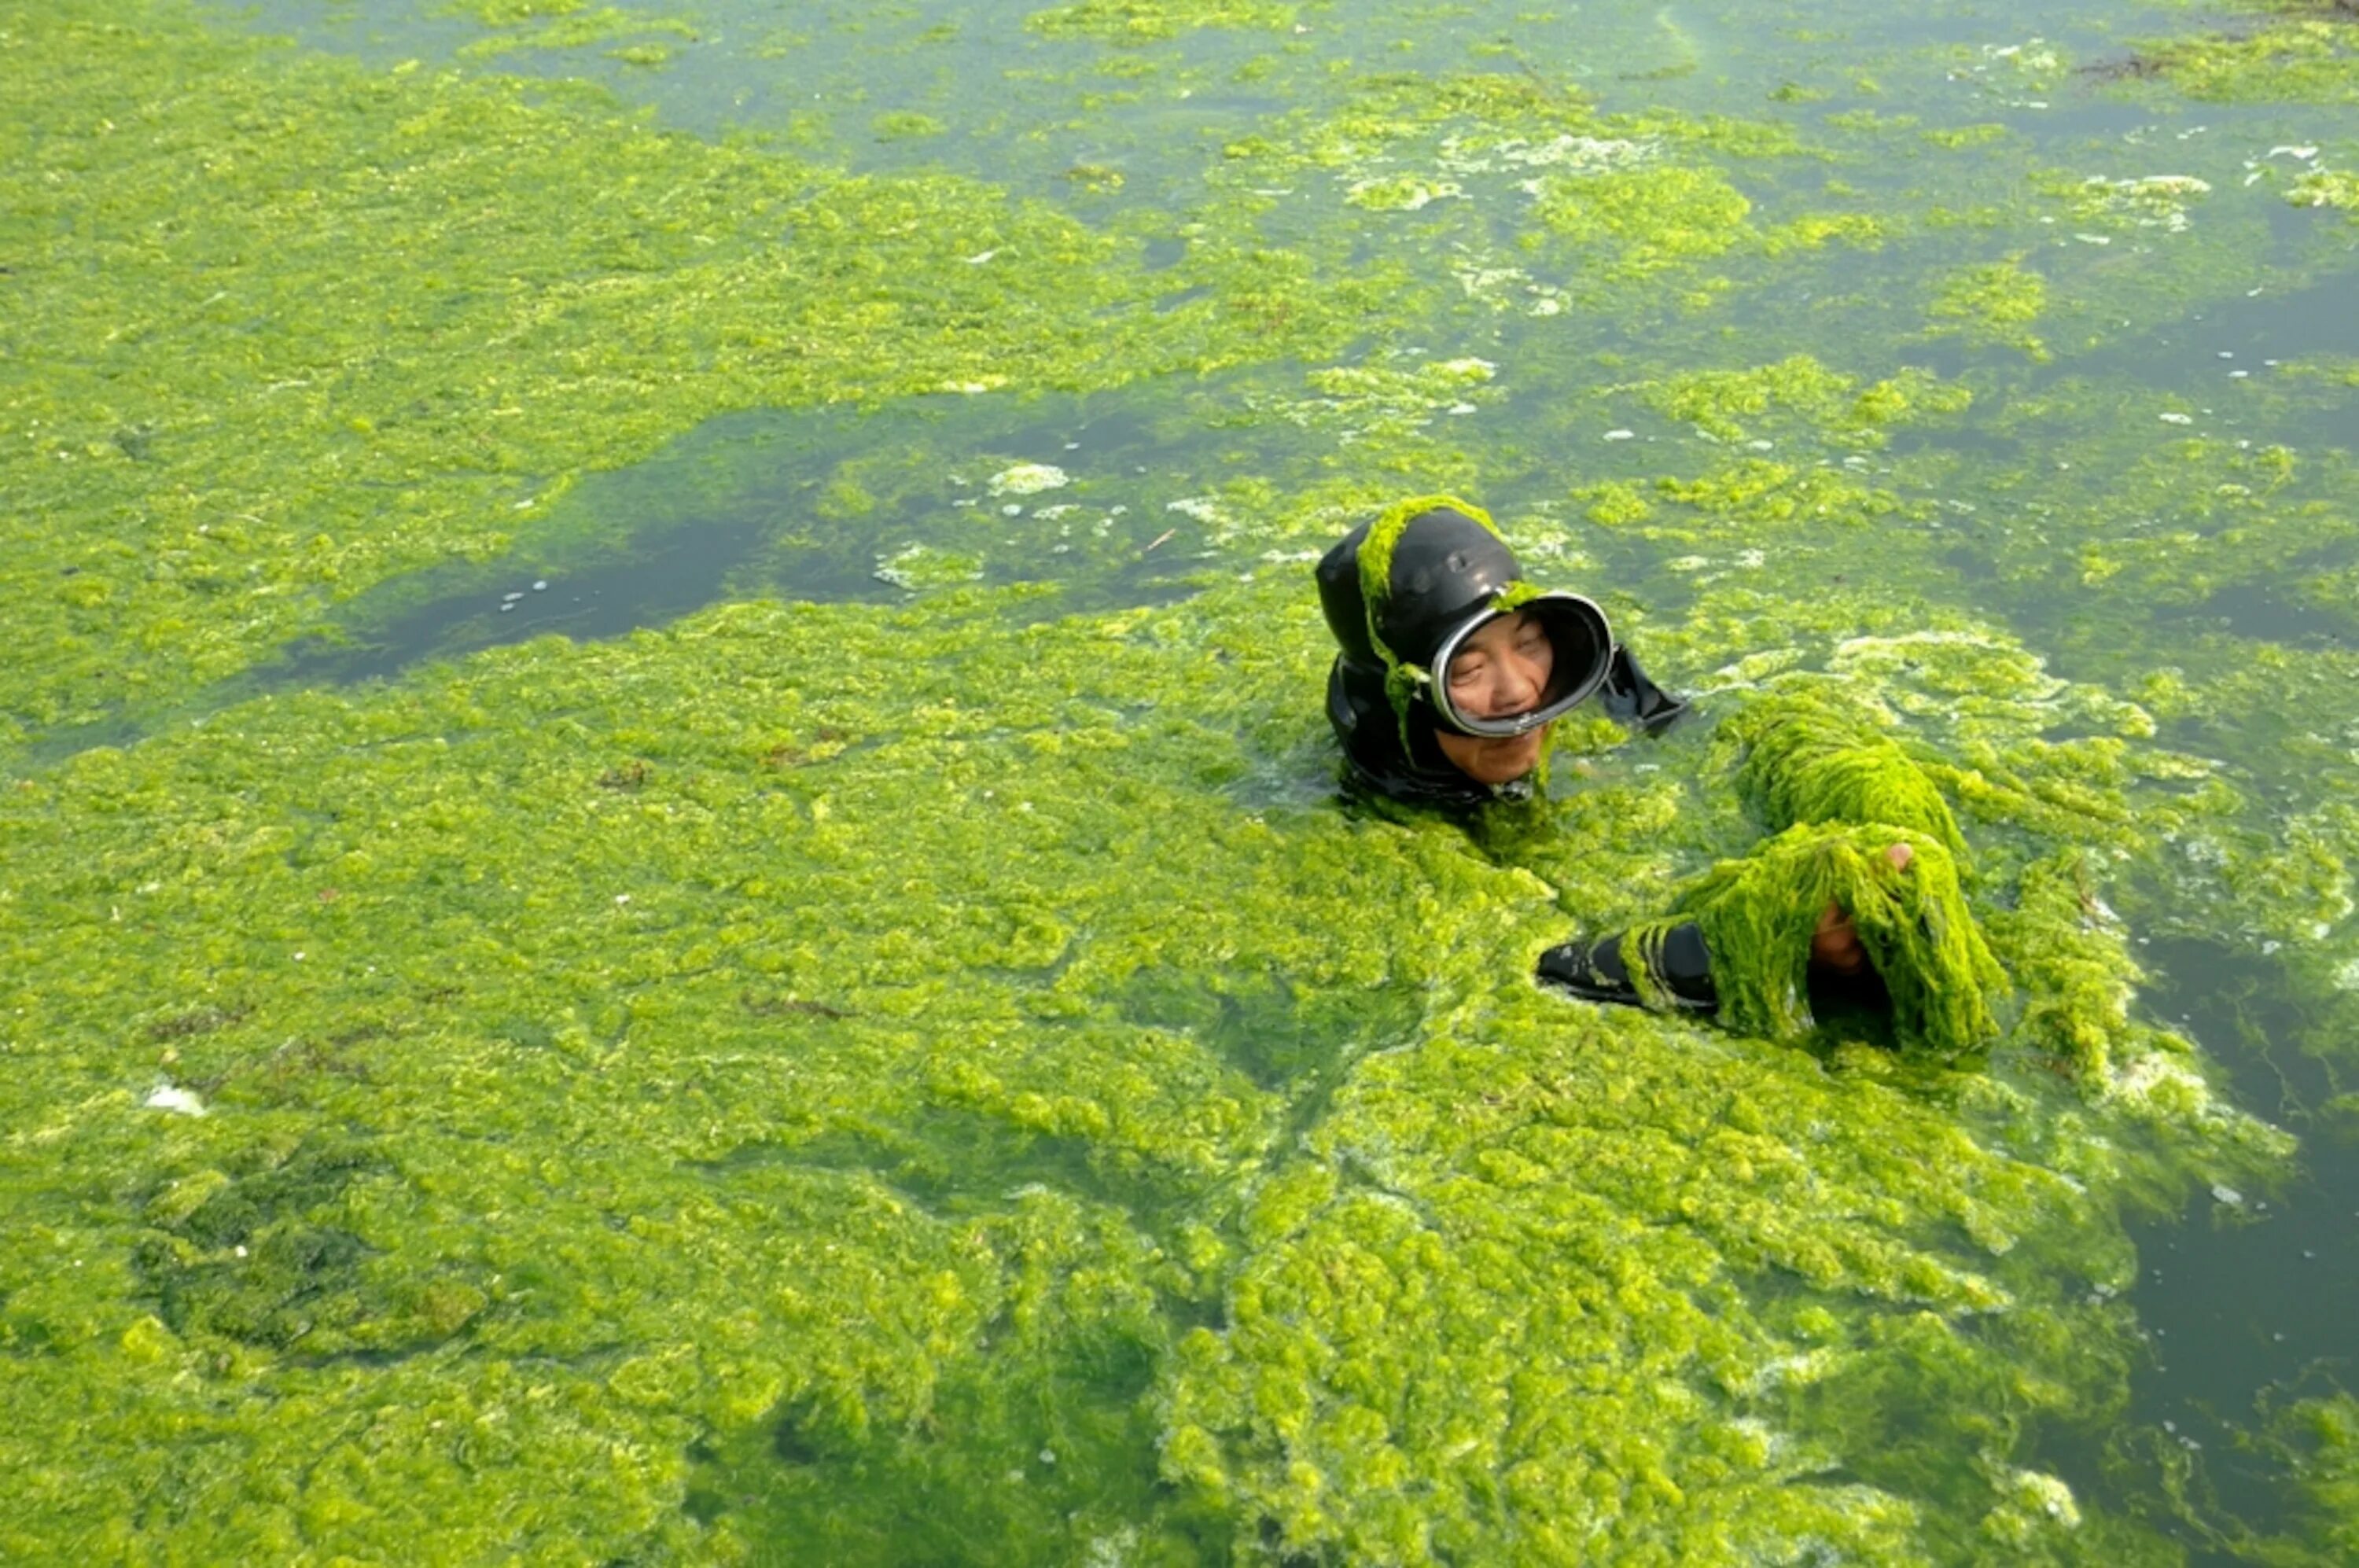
1835 945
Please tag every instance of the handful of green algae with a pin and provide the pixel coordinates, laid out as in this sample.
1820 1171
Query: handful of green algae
1845 797
1757 915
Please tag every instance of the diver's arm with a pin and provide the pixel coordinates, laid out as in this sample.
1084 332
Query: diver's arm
1674 967
1631 699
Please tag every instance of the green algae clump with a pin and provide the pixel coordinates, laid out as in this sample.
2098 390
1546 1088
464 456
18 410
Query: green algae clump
1152 21
1726 404
2310 58
1646 218
2326 188
1807 762
1994 302
905 125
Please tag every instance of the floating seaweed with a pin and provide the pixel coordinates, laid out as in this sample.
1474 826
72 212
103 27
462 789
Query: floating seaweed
962 1089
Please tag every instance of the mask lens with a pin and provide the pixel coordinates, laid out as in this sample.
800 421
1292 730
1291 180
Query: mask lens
1505 674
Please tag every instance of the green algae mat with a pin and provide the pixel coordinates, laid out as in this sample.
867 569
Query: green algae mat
670 881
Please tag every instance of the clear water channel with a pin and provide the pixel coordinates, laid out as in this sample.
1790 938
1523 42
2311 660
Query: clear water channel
673 889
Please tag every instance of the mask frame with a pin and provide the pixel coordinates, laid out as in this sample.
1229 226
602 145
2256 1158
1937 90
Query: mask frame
1572 694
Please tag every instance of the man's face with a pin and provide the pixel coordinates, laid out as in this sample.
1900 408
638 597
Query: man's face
1501 670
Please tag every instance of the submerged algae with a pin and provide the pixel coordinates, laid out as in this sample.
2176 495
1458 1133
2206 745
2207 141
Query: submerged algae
578 28
329 426
504 13
1537 165
2320 1436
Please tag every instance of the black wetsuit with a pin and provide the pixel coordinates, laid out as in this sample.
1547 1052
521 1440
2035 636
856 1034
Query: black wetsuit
1449 569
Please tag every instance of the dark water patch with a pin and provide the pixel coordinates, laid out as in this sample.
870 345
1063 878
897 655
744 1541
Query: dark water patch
831 506
192 1022
48 748
1163 253
1254 1025
471 609
792 1007
2248 1015
634 549
1281 1037
292 1070
1285 768
2246 1295
1297 1044
2243 1303
2256 333
834 505
1850 1009
1970 563
2264 612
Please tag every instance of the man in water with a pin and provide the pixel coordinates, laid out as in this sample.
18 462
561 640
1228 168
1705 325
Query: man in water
1452 666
